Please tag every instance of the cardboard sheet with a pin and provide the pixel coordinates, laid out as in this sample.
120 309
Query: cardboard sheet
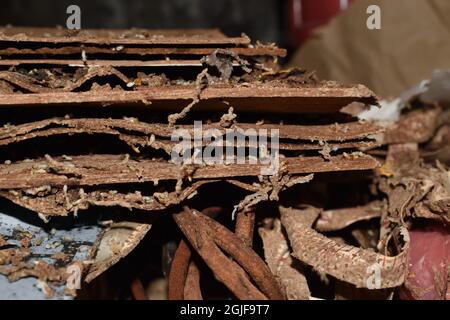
412 42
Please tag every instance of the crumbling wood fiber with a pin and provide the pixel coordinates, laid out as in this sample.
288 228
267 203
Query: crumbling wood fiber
342 201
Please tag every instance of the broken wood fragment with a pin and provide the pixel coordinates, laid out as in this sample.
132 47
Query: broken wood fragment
347 263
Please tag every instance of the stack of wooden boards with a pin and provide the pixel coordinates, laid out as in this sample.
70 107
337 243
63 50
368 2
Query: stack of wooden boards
87 116
88 119
138 86
94 118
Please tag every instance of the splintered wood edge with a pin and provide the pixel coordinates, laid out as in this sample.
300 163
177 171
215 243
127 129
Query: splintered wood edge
105 169
314 97
146 51
331 132
100 63
137 232
111 36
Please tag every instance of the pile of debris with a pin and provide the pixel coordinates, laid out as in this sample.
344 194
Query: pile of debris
91 128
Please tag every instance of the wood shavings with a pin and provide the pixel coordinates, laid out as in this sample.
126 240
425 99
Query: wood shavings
199 86
228 119
335 259
113 151
126 236
289 273
3 242
332 220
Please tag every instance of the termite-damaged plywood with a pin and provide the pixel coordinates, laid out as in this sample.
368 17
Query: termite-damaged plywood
108 36
331 132
253 98
51 253
254 51
99 63
59 253
160 81
115 169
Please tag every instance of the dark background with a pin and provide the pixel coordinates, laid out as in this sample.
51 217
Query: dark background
260 19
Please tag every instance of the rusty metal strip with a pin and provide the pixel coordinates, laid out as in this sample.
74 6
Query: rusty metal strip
113 169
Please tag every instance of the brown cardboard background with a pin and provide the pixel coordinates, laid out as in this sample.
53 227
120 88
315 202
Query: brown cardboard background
413 41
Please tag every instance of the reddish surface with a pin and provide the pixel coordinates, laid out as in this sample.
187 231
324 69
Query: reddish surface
429 258
306 15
